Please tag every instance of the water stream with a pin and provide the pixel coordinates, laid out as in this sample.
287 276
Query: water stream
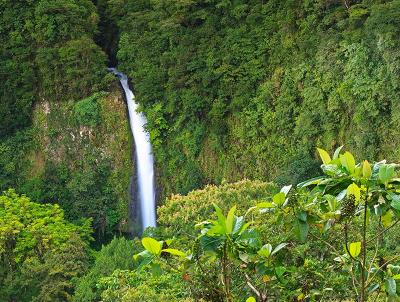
144 156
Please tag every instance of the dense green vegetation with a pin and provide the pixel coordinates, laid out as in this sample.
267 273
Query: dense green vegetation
333 238
238 95
236 89
62 139
40 253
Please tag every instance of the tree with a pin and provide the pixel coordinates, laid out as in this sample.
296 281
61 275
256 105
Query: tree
40 252
360 197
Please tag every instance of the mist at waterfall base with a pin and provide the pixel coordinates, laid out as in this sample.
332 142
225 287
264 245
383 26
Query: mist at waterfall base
144 156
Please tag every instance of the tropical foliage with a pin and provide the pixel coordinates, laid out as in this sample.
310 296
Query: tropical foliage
357 200
248 89
40 253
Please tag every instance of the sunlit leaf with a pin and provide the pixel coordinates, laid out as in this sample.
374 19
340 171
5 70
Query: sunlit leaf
152 245
174 252
265 205
386 173
387 219
279 198
337 153
221 217
265 251
286 189
326 159
355 249
367 170
347 160
310 182
230 219
278 248
353 189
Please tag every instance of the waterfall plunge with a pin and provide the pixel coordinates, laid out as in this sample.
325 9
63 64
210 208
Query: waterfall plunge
145 162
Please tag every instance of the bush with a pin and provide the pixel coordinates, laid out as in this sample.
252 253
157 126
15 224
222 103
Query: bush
41 254
179 213
126 286
87 111
116 255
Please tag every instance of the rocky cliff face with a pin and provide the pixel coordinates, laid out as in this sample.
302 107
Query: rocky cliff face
81 157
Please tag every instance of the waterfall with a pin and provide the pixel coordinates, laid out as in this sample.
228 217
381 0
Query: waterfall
144 156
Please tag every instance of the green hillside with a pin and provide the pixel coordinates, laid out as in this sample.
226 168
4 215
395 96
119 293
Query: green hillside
239 98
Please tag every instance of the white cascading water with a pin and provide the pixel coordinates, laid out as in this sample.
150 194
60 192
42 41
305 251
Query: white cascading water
144 155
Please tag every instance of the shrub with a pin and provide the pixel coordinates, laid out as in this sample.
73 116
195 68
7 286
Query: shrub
87 111
116 255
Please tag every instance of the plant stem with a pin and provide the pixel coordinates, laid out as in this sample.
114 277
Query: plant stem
225 275
364 249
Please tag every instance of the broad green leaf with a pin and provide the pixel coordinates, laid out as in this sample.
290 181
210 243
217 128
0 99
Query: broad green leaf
372 288
355 249
310 182
302 216
332 170
265 205
396 277
238 224
245 226
390 286
216 230
279 199
174 252
229 220
353 189
332 203
395 204
386 173
301 230
221 217
387 219
347 160
337 152
142 254
155 269
326 159
265 251
279 271
250 238
278 248
367 170
244 257
209 243
251 299
152 245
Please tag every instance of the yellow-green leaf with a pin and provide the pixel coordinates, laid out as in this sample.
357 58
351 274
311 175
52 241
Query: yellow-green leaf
347 160
279 199
174 252
229 220
355 249
264 205
152 245
353 189
367 171
221 217
387 219
326 159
